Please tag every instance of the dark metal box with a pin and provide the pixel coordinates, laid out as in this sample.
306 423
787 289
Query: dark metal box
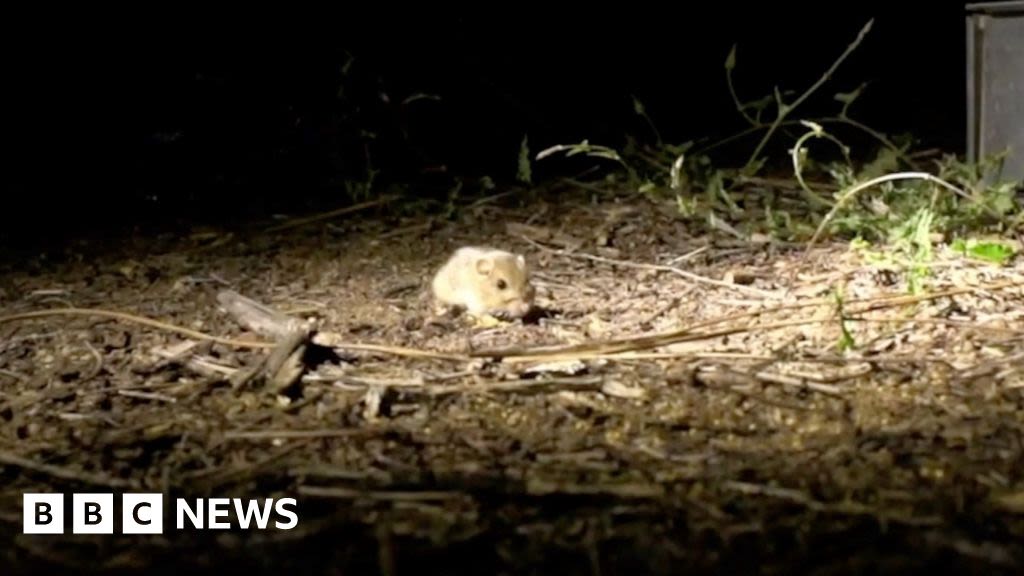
995 83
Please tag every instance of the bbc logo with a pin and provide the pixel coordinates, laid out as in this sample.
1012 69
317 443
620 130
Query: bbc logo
93 513
144 513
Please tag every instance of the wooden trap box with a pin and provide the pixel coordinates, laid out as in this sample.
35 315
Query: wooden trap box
995 83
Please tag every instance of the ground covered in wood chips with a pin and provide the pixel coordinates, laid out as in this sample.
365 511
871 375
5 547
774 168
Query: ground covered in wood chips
738 438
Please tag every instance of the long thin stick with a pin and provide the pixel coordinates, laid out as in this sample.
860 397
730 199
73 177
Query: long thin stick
135 319
8 459
659 267
645 342
328 215
323 339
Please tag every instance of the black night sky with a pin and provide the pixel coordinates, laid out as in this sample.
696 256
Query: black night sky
222 120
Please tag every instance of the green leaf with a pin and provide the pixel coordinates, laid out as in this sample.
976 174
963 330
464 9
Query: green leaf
783 108
846 341
992 252
730 61
638 107
851 96
524 174
752 168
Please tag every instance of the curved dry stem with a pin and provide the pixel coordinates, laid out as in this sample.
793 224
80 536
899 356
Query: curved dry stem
845 196
816 132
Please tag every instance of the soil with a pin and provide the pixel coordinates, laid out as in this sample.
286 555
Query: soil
748 440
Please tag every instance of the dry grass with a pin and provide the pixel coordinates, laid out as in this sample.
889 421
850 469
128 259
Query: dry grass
750 444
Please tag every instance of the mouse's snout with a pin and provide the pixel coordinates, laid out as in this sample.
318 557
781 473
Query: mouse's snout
518 308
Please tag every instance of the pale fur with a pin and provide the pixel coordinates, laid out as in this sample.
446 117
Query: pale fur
461 283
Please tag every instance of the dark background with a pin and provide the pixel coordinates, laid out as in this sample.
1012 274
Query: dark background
126 120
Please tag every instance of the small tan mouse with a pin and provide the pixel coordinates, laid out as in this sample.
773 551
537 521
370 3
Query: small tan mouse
485 282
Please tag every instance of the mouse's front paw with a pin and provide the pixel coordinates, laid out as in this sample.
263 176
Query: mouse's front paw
503 315
486 321
442 310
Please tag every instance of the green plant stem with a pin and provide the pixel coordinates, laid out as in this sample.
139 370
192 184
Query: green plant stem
877 136
831 120
736 99
785 109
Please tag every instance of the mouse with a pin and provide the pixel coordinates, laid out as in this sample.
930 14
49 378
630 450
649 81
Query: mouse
485 282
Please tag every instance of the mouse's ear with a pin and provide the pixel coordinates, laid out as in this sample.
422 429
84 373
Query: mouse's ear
521 262
484 265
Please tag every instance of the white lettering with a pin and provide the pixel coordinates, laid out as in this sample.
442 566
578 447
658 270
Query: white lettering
196 517
218 509
281 509
262 517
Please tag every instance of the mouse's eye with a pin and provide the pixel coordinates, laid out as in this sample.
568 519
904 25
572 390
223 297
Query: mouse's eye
502 284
